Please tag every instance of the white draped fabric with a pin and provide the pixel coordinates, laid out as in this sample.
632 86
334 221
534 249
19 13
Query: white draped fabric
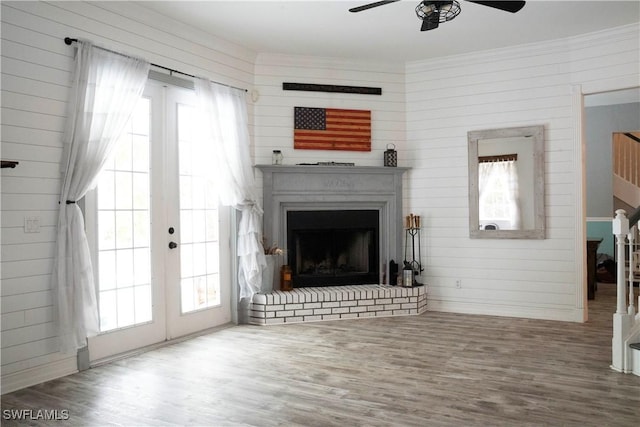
513 194
105 90
226 131
485 170
503 203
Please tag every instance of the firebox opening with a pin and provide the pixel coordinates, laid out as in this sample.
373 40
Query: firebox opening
328 248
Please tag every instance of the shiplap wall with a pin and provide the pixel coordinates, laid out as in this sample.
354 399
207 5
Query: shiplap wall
274 107
530 85
426 109
36 67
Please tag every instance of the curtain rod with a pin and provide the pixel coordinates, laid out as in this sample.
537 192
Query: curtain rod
69 40
498 158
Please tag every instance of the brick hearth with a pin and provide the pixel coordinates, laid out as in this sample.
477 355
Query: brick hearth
336 302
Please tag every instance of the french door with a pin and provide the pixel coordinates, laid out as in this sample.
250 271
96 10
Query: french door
159 239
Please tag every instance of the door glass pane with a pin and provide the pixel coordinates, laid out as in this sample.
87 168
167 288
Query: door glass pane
199 283
124 251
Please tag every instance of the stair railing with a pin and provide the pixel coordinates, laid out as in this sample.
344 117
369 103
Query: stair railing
620 227
631 237
625 318
634 259
626 157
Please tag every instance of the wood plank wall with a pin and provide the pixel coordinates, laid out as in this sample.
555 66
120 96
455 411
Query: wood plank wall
528 85
431 104
274 109
36 67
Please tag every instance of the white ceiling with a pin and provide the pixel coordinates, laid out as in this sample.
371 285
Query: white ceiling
390 32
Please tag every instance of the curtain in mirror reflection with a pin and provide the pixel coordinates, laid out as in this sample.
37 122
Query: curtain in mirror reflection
498 193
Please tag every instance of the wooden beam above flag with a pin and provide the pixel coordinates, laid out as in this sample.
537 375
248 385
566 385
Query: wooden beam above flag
331 129
311 87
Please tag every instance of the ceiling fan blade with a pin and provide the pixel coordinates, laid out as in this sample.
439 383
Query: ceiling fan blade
429 24
508 6
371 5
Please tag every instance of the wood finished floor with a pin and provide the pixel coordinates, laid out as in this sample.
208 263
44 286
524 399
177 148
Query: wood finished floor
436 369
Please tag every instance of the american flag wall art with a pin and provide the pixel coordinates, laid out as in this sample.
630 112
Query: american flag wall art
331 129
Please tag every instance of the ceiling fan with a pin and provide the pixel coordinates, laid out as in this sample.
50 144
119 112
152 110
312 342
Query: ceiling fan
432 13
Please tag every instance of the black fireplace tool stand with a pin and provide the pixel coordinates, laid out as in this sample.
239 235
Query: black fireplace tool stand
413 234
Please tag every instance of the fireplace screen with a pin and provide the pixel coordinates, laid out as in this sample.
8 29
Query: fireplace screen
327 248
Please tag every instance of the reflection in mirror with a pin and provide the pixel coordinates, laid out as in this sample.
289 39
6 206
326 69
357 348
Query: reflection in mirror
506 183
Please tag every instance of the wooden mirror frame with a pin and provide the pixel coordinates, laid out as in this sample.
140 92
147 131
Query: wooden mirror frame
536 133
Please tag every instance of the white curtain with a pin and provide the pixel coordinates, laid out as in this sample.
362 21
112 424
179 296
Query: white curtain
227 134
498 192
485 170
510 171
105 89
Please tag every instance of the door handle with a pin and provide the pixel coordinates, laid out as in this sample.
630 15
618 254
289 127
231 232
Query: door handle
173 245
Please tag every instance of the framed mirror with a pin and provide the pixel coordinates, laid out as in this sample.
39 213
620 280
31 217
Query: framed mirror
506 183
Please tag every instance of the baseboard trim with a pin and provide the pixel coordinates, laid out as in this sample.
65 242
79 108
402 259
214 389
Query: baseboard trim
32 376
540 313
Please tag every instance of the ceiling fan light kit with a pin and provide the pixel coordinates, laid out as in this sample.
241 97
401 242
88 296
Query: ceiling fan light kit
434 12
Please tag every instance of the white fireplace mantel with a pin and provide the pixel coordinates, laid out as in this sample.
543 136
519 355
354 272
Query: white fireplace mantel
311 187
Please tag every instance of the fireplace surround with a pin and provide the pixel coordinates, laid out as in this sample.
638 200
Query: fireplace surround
351 193
306 188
